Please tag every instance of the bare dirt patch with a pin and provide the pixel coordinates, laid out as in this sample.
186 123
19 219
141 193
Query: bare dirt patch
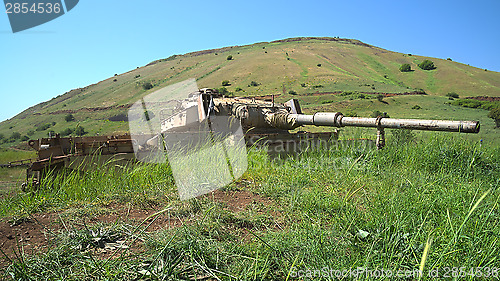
35 234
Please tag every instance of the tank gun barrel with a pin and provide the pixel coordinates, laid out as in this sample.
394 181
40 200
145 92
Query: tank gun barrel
338 120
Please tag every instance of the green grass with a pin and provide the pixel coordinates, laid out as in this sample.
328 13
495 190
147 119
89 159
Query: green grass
429 202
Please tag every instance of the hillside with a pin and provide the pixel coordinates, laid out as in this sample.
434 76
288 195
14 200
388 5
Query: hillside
301 65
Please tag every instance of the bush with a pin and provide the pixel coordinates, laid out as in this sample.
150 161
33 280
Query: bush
453 95
495 115
417 107
80 131
292 92
303 85
224 91
226 83
147 85
377 113
44 127
380 97
69 117
253 84
25 138
318 65
238 89
427 65
229 57
406 67
66 132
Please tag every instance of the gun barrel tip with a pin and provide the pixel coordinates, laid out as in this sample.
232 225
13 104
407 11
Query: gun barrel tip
477 127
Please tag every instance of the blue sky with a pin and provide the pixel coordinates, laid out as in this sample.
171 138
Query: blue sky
97 39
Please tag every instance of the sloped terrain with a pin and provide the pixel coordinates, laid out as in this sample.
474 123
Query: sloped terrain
299 66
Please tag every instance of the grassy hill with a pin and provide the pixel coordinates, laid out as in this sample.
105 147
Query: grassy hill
301 65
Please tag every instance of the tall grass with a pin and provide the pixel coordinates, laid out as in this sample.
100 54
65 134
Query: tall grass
422 205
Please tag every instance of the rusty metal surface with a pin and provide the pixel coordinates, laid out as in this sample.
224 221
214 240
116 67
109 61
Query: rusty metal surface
264 123
338 120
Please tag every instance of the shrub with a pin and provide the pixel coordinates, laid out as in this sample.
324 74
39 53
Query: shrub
226 83
80 131
380 97
318 65
224 91
147 85
303 85
253 84
406 67
292 92
453 95
377 113
69 117
44 127
417 107
229 57
67 132
495 115
427 65
25 138
238 89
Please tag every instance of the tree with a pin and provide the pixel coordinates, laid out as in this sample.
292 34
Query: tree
406 67
80 131
377 113
69 117
253 84
229 57
495 115
147 85
66 132
223 91
226 83
427 65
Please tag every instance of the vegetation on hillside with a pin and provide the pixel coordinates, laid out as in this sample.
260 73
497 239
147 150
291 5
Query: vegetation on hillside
495 115
427 65
296 67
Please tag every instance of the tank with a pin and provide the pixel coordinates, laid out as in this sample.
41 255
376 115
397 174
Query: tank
188 121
